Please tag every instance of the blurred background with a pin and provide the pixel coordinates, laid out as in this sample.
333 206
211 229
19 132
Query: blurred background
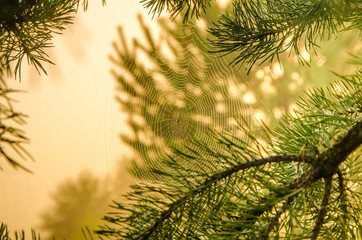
126 89
70 113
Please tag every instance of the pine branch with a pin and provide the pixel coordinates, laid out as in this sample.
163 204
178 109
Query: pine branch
189 8
323 208
26 29
11 137
229 190
324 168
299 183
275 219
258 31
342 190
215 178
327 163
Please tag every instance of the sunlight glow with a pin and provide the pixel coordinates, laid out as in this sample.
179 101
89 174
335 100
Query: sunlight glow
201 24
259 116
278 112
259 74
202 119
223 3
277 71
297 78
249 98
292 86
220 108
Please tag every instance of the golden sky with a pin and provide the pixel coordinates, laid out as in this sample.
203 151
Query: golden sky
71 111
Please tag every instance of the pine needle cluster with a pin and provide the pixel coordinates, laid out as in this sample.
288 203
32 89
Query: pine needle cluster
12 138
19 235
27 27
189 8
260 30
302 184
297 181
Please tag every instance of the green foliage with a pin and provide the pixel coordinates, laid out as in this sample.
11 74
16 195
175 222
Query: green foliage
12 138
300 180
326 115
173 90
297 181
261 30
19 235
189 8
26 28
245 190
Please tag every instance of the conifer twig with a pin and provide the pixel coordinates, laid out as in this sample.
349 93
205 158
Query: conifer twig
274 220
323 208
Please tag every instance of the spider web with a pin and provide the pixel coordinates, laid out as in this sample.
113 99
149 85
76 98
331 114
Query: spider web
172 91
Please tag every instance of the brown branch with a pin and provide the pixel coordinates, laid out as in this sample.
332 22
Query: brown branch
265 234
219 176
342 199
323 166
327 163
342 190
323 208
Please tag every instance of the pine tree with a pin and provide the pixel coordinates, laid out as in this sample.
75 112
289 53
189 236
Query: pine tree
300 180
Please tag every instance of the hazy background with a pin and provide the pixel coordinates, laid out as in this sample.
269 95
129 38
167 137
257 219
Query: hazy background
70 111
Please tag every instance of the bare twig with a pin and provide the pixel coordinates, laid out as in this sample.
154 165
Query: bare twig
264 235
323 208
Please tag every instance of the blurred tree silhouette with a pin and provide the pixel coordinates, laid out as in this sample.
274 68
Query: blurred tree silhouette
77 204
174 89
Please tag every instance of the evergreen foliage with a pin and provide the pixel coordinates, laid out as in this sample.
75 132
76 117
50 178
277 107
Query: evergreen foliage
26 29
20 235
172 89
189 8
170 102
27 26
300 180
261 30
305 184
12 138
